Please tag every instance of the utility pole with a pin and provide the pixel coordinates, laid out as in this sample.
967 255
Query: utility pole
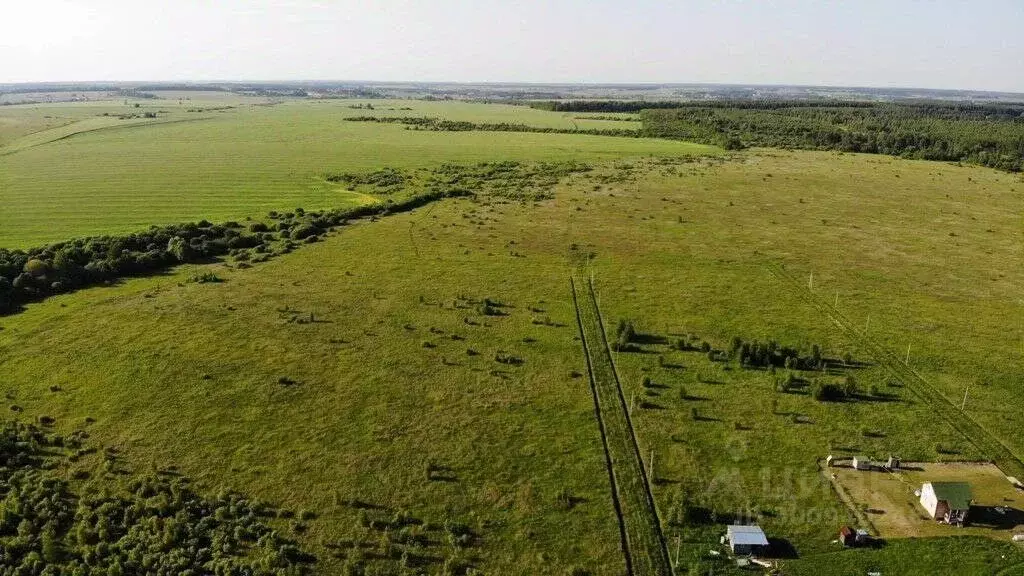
677 551
907 361
810 282
836 305
964 405
650 468
632 401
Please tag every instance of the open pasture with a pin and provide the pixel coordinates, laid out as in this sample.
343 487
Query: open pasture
426 363
244 161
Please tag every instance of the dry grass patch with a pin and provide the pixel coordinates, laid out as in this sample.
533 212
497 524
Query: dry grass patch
888 499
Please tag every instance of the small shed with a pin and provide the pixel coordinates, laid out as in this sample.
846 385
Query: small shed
746 540
947 502
861 463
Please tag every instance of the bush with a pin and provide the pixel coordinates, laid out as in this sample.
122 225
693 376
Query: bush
305 231
828 392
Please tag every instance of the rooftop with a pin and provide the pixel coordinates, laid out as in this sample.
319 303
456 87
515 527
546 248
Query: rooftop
747 535
957 494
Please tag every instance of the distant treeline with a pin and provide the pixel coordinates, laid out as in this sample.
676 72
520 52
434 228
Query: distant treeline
991 134
602 105
441 125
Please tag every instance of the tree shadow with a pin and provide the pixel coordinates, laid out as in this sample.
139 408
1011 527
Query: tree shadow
781 548
995 517
648 339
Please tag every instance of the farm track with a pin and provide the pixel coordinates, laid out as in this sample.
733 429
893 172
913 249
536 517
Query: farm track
962 422
11 148
643 541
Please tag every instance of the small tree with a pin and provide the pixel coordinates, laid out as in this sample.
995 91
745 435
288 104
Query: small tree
179 249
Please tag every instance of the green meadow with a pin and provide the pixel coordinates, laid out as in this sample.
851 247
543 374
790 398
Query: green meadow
118 176
369 367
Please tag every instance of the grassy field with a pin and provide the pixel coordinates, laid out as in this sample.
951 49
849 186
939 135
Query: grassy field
247 160
362 367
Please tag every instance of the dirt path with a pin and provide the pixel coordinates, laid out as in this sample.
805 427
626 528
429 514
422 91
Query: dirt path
643 541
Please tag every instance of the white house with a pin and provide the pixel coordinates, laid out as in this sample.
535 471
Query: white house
745 540
946 501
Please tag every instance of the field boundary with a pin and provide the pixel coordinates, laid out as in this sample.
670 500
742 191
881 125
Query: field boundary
10 149
604 435
645 548
988 444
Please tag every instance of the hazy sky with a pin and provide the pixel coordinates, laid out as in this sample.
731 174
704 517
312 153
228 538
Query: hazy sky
975 44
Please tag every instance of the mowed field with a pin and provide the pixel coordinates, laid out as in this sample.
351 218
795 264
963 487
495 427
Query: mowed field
392 394
90 174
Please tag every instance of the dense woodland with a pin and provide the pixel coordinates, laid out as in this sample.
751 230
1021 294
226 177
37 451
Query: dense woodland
991 135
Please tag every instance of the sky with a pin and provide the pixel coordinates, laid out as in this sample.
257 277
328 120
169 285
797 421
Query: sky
968 44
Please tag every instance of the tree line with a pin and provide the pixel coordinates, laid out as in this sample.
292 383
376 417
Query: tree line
990 135
441 125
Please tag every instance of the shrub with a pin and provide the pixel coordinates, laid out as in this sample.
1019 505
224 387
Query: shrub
828 391
205 278
305 231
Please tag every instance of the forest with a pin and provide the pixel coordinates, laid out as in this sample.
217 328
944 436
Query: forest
990 135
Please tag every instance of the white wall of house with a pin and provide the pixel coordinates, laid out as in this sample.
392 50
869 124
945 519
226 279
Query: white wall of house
929 500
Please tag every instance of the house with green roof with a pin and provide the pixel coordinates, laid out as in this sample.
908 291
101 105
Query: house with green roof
947 502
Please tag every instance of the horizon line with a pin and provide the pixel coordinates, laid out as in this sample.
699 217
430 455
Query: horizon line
503 83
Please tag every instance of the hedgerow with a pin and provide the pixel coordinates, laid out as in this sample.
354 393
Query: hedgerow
36 273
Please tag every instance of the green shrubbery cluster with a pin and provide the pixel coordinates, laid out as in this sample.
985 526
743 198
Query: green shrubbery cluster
386 180
149 525
768 354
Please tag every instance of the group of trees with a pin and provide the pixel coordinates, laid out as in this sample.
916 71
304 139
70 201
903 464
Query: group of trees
50 526
989 134
768 354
